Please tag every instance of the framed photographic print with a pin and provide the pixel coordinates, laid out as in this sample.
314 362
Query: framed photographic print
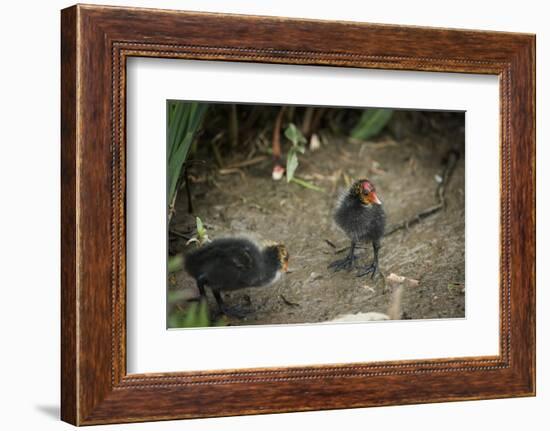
265 215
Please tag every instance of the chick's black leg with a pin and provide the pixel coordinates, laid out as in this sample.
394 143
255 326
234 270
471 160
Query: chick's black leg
373 267
347 262
228 311
200 284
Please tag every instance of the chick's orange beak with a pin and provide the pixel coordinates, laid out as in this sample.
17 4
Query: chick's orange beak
285 266
373 199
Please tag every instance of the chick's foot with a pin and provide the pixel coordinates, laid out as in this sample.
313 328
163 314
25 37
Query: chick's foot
235 311
346 263
369 269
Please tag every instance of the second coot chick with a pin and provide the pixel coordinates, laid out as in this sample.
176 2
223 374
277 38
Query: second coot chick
235 263
361 216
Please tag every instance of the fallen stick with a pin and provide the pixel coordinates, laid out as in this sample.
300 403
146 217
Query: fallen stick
180 234
399 279
450 163
397 283
330 243
229 171
394 309
289 303
405 224
246 163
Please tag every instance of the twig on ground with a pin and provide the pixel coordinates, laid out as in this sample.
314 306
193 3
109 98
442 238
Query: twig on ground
450 164
394 309
228 171
397 283
246 163
330 243
289 303
183 235
399 279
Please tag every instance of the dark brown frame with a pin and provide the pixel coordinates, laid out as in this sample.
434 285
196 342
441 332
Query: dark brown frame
95 43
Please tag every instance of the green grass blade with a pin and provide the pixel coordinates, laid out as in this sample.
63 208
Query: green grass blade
307 184
291 164
371 123
184 120
175 263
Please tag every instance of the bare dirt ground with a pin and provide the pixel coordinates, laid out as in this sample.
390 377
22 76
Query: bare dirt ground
248 202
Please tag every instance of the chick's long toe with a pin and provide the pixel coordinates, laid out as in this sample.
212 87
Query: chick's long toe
345 263
369 269
341 264
234 311
373 267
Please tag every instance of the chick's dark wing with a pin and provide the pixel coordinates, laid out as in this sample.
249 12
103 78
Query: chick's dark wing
241 257
232 266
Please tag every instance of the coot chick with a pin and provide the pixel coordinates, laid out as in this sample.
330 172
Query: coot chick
235 263
361 216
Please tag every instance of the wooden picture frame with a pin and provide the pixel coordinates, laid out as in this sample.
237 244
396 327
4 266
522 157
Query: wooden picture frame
95 43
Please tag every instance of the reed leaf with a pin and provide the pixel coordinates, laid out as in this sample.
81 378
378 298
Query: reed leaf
184 120
371 123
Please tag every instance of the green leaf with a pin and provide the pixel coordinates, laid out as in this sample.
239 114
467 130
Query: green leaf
175 165
294 135
203 319
190 316
175 263
174 321
201 230
307 184
184 120
371 123
196 315
291 164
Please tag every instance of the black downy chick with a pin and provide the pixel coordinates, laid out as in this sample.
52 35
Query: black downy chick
235 263
360 215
